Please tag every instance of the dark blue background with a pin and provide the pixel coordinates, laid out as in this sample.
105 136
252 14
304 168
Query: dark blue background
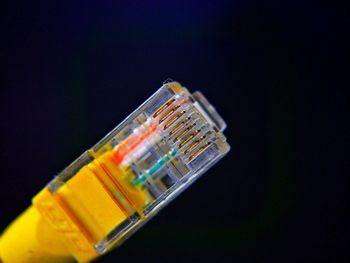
273 69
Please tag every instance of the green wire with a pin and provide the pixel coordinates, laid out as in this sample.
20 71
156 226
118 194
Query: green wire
142 178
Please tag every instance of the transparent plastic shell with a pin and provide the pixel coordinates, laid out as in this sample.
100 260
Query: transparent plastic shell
159 150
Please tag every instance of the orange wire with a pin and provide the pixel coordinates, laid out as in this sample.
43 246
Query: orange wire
131 143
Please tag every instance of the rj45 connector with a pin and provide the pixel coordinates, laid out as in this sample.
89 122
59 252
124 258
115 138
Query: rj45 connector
120 183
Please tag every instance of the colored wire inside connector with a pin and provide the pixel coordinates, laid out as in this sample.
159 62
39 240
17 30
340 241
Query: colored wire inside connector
161 162
132 142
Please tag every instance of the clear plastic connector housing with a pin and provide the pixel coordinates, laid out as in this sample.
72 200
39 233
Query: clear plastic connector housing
152 156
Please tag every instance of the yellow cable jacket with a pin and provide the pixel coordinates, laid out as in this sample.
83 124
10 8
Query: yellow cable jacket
31 239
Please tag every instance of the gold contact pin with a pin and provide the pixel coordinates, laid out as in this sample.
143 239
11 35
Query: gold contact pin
182 133
178 126
191 147
173 119
196 153
163 107
189 138
168 114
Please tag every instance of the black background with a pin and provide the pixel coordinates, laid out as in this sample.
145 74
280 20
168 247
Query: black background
273 69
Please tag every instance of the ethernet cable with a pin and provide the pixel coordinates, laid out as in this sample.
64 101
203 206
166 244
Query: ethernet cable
112 189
